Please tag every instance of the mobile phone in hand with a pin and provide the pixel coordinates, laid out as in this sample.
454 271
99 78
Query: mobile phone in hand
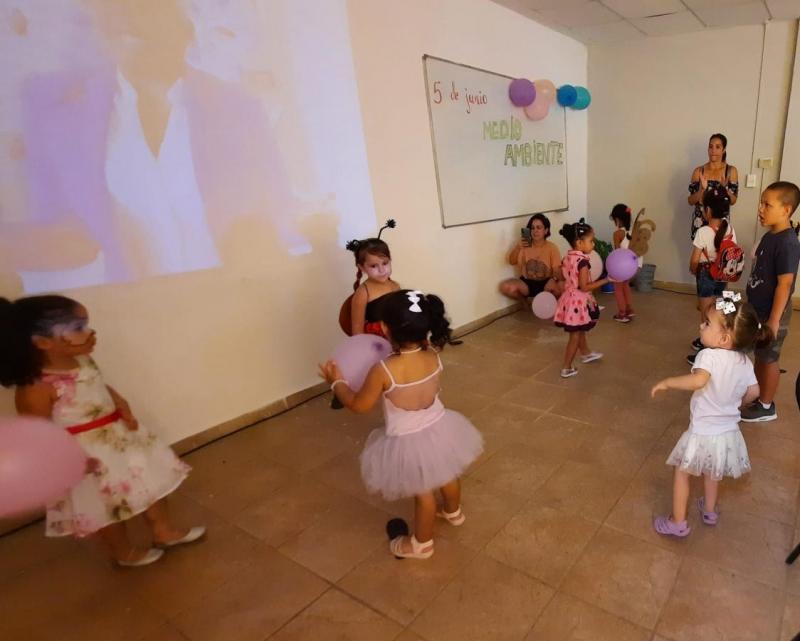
526 235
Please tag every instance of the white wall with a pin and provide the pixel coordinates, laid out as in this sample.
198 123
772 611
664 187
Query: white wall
655 103
790 166
194 350
462 264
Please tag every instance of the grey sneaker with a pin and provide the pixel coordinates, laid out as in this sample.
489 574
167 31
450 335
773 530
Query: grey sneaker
755 413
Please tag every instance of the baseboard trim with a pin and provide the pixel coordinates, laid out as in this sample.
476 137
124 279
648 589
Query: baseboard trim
689 288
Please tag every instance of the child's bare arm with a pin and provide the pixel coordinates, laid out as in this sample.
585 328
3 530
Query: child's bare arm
364 399
690 382
358 311
780 299
586 283
751 394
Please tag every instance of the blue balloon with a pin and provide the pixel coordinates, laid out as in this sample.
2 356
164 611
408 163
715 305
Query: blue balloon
567 95
584 98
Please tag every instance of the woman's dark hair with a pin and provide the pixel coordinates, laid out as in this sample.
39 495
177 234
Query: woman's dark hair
622 213
406 325
746 329
21 362
718 208
724 140
542 219
374 246
573 232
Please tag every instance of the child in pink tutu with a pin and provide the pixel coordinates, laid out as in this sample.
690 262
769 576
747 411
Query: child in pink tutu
423 446
46 343
577 310
722 379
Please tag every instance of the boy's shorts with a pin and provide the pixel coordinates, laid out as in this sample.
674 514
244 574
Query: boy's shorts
772 352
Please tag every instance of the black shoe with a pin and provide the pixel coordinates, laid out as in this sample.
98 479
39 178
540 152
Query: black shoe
690 359
697 345
336 404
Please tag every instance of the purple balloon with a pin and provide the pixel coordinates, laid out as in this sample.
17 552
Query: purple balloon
522 92
622 264
356 355
39 463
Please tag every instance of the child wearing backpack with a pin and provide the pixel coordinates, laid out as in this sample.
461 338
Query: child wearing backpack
716 258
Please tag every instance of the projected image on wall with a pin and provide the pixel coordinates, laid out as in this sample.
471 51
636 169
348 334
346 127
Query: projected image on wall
151 137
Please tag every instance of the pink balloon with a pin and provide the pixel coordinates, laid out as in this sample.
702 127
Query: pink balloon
356 355
622 264
538 110
39 463
545 90
544 305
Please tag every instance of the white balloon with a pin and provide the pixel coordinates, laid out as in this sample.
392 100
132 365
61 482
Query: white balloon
544 305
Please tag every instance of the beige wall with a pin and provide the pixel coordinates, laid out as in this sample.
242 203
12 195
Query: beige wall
790 166
197 349
657 101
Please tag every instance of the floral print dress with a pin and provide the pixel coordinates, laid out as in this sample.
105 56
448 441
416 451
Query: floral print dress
715 188
135 468
577 310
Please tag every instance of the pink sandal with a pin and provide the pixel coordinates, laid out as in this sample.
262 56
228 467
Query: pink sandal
709 518
668 527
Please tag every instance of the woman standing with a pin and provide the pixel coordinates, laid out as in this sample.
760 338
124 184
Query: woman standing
716 177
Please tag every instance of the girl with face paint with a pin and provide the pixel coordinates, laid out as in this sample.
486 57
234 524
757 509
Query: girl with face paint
373 260
46 342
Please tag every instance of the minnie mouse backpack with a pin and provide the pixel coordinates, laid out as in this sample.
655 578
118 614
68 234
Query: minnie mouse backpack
729 265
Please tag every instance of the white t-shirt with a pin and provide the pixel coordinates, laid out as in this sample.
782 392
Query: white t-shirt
715 407
704 239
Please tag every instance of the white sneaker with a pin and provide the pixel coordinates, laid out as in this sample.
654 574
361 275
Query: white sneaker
568 373
591 356
151 556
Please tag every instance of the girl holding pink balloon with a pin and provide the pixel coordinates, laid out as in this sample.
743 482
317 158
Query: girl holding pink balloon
577 310
46 346
423 446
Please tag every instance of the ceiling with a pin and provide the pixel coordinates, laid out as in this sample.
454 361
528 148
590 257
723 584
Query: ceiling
615 20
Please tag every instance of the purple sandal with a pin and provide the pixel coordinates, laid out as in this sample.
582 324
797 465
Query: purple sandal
709 518
663 525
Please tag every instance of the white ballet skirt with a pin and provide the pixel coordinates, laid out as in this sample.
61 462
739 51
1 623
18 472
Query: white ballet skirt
715 455
423 445
136 467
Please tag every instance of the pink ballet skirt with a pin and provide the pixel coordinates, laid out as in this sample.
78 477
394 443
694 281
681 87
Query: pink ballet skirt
423 445
577 310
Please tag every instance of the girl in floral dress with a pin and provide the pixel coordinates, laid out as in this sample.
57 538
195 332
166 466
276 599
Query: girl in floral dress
577 310
46 345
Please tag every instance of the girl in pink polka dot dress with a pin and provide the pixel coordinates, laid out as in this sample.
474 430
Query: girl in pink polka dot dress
577 310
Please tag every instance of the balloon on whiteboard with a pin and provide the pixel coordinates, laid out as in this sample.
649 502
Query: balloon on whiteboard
538 110
583 98
595 265
545 90
521 92
567 95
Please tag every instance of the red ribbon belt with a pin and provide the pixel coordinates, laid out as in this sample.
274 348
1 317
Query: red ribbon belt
93 425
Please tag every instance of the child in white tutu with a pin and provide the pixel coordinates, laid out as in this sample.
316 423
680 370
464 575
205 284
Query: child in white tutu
722 379
423 446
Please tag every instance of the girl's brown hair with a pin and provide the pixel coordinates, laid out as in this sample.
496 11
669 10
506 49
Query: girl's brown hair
745 328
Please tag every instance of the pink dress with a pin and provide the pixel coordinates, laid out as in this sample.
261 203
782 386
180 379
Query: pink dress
423 445
577 311
136 467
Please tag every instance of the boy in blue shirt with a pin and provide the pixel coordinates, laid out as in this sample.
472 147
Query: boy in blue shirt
770 289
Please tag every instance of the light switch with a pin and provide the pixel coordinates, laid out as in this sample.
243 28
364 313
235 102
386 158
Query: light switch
765 163
751 180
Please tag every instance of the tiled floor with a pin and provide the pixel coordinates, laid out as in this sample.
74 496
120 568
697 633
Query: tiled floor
558 544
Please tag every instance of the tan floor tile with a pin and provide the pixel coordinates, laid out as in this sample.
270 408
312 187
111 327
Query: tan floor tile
310 447
569 619
536 394
710 603
263 596
487 510
762 493
227 495
791 618
383 582
511 469
613 450
488 600
470 379
624 576
793 570
507 422
337 616
409 635
26 548
557 437
166 632
749 545
585 490
780 455
289 511
465 403
335 544
542 542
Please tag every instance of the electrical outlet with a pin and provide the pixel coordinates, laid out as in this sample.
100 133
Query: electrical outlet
751 180
765 163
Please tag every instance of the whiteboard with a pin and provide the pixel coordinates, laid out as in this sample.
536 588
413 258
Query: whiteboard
491 161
